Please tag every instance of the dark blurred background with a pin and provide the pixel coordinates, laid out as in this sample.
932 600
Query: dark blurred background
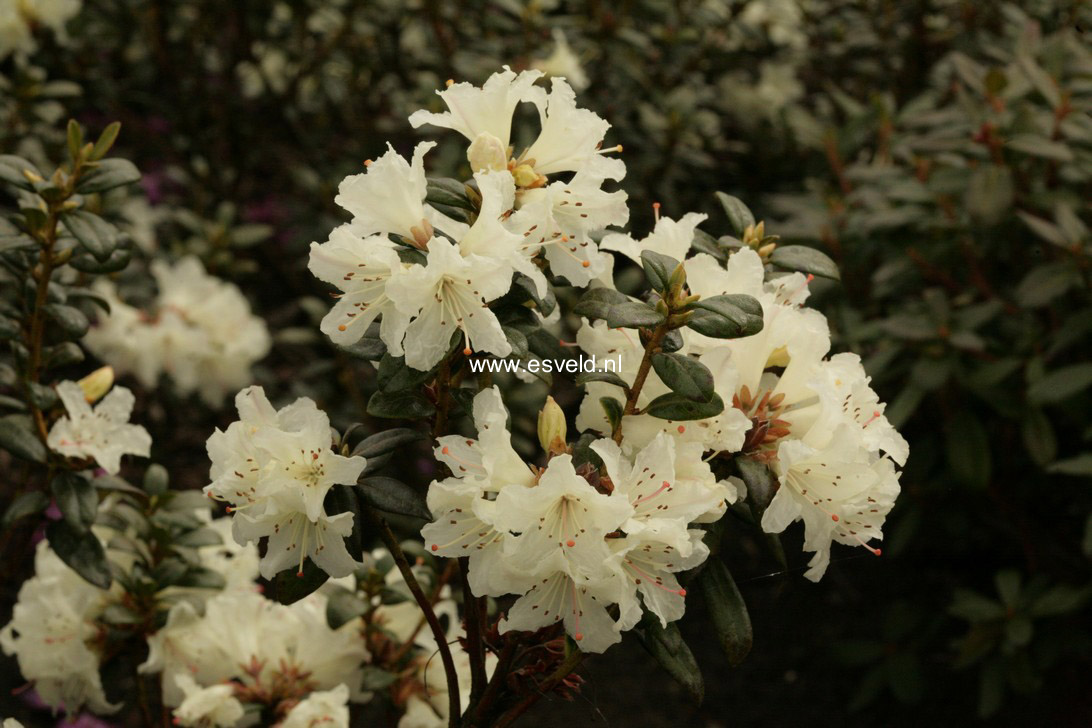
939 150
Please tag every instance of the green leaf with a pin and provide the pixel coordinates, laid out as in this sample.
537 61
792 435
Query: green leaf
393 496
1080 465
685 375
387 441
82 551
108 174
726 317
1046 282
105 141
394 375
674 406
1039 437
618 309
289 586
25 504
156 480
727 611
1061 384
613 409
74 138
739 215
760 482
17 436
71 320
18 241
77 500
12 168
658 269
118 260
803 259
968 449
666 645
633 314
97 236
1040 146
62 355
376 678
370 347
404 405
343 606
600 376
449 192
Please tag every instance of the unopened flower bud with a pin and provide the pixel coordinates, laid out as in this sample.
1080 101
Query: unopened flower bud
97 383
551 427
487 152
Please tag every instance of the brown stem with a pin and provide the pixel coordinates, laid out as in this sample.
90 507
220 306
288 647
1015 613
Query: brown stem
564 669
500 673
474 644
37 317
385 533
642 374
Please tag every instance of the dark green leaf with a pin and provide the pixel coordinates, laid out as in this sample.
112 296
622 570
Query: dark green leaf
343 606
633 314
1039 437
17 436
393 496
598 302
1080 465
407 405
739 215
11 171
805 260
613 408
97 236
77 500
1061 384
108 174
760 483
667 646
25 504
600 376
968 448
674 406
82 551
727 317
394 375
727 611
370 347
289 586
658 269
449 192
685 375
156 479
375 678
387 441
69 319
119 260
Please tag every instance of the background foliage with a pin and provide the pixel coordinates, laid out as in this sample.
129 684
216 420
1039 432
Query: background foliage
939 150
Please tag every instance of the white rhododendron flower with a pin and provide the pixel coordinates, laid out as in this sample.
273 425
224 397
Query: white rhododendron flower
274 468
103 432
670 237
206 707
200 331
255 643
321 709
563 63
448 295
54 635
19 18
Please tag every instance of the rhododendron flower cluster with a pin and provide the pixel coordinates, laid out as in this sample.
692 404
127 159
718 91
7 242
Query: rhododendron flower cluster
199 330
